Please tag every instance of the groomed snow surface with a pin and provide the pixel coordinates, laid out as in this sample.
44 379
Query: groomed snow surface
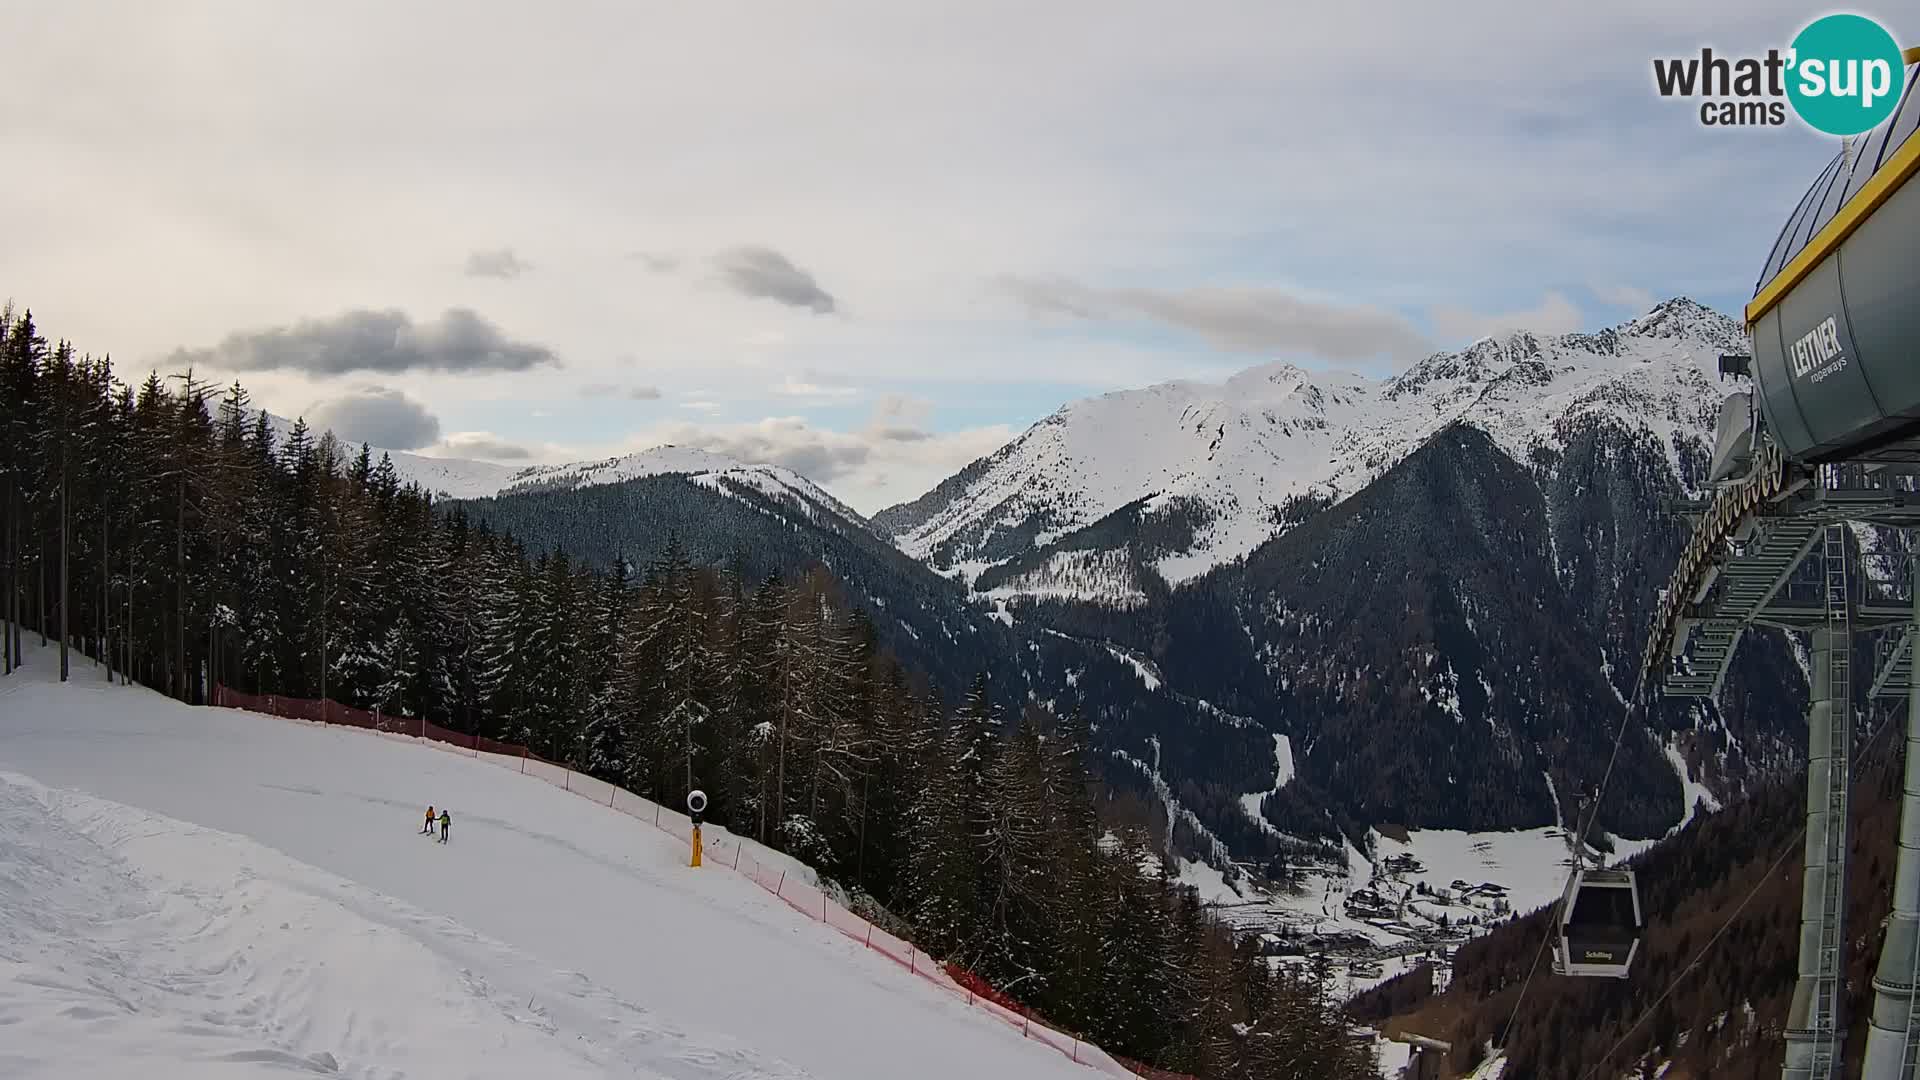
215 893
1531 864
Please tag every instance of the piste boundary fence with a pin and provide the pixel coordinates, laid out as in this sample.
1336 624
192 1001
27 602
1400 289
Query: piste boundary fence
720 848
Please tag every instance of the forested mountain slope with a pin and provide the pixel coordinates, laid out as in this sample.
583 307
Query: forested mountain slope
1736 874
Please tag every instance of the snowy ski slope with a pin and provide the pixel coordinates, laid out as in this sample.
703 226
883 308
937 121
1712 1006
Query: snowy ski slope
227 894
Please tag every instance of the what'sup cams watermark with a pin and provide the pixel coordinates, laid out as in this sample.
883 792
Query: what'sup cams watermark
1842 75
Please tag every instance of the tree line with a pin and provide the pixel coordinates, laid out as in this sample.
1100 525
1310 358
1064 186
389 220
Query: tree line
168 535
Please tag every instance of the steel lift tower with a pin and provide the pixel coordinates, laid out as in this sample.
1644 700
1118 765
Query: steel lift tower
1828 435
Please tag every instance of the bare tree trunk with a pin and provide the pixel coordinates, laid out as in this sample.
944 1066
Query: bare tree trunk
41 615
180 592
66 589
126 630
860 861
786 705
19 582
323 629
213 622
6 581
106 591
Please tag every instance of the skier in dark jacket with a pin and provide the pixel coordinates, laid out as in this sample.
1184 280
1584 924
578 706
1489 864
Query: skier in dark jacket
445 821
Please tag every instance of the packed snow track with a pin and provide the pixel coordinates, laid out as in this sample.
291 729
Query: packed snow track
215 893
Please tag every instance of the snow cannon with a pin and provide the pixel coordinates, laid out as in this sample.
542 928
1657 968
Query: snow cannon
1834 325
696 805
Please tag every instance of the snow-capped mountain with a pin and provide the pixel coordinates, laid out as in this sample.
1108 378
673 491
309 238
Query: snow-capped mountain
461 478
1211 471
703 467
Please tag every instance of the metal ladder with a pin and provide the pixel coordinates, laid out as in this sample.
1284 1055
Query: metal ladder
1839 612
1909 1047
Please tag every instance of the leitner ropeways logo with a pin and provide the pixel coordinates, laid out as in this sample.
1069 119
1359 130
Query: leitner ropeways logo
1842 75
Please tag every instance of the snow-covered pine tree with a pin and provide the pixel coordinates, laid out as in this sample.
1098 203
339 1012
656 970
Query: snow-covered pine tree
554 694
942 873
1021 911
506 620
1138 998
605 741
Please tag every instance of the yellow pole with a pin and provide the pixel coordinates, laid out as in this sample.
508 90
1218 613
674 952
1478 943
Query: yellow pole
696 846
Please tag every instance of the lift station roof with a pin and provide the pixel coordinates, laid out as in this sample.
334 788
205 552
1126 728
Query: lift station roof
1835 317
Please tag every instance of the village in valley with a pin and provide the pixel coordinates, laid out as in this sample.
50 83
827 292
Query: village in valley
1415 902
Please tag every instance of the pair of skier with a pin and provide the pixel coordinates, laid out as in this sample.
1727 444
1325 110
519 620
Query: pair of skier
445 822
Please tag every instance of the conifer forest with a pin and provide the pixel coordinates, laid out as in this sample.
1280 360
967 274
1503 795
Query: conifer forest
160 532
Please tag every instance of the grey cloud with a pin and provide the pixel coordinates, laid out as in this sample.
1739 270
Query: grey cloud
481 444
377 415
819 455
897 418
631 393
892 447
502 263
657 262
382 341
1243 319
764 273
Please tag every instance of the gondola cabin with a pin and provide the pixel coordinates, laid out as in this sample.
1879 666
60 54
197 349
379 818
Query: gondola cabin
1600 925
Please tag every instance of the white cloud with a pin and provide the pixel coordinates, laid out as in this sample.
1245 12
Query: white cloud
1553 315
1625 296
484 445
887 460
618 390
792 387
1197 161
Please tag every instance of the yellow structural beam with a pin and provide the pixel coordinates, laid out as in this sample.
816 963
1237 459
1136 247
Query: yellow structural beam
1894 173
1911 56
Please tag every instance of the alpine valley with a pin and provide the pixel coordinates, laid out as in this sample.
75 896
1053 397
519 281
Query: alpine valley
1300 609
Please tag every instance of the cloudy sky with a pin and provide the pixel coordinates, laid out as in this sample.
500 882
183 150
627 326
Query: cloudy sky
869 240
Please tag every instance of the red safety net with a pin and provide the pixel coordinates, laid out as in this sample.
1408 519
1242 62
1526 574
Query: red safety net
720 849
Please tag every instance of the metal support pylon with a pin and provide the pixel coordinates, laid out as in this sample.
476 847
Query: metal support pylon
1892 1049
1815 1027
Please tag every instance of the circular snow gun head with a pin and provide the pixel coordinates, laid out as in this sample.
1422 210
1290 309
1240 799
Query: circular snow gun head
696 804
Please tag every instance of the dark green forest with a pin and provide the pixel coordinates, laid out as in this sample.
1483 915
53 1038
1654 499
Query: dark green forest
162 534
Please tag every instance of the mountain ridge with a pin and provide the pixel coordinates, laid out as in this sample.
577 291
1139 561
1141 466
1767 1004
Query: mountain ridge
1234 458
1188 657
469 478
